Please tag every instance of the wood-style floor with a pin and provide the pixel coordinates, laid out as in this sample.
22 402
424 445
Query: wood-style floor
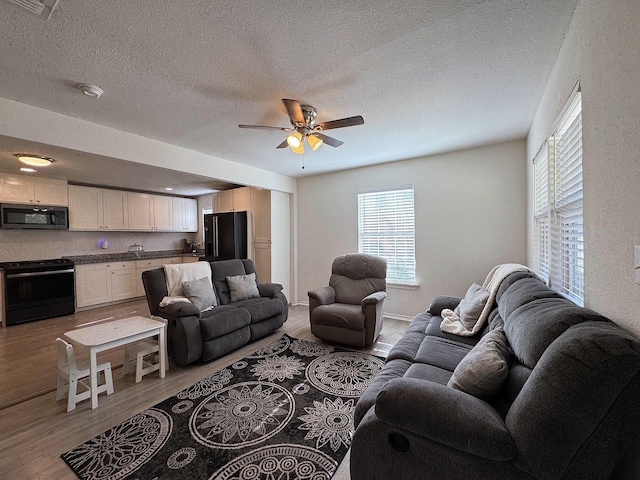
35 429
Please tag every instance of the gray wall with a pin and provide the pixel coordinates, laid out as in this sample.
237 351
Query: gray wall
470 211
601 50
18 245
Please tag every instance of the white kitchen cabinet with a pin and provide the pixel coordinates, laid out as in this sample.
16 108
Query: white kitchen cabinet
141 211
151 264
124 284
23 189
115 210
185 214
162 213
85 208
93 284
95 209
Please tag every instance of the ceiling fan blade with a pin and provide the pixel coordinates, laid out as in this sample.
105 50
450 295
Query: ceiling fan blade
294 110
265 127
343 122
332 142
283 145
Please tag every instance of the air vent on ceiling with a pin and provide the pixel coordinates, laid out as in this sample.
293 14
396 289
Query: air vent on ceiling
37 7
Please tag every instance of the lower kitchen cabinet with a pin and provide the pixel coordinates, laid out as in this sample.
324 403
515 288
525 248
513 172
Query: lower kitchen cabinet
99 283
93 284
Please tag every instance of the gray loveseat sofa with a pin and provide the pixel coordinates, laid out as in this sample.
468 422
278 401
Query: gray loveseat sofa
193 335
568 409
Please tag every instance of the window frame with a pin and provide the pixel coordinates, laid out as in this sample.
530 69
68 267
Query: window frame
558 212
398 262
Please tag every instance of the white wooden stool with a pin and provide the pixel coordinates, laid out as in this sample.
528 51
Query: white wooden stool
143 356
72 373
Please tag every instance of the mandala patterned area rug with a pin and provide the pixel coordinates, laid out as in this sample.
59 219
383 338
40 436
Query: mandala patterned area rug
283 413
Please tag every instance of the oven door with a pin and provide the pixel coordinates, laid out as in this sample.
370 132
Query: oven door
37 295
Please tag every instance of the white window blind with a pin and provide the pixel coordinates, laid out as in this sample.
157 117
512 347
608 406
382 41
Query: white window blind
386 227
541 212
568 279
558 208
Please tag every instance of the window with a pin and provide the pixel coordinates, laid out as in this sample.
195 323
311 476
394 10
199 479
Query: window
558 206
386 227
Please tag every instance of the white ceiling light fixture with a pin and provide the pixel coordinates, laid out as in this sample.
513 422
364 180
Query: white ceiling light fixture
28 170
34 160
92 91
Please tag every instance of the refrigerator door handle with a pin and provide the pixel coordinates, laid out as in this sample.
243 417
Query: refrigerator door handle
216 253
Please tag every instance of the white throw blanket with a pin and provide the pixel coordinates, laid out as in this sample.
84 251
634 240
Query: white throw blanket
183 272
451 321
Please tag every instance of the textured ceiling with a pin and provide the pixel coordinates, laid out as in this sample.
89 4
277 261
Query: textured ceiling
428 76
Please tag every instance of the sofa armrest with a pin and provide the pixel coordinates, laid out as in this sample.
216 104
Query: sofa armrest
178 310
269 290
446 416
439 303
323 295
374 298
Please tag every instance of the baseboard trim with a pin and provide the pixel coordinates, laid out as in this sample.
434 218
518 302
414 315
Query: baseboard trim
393 316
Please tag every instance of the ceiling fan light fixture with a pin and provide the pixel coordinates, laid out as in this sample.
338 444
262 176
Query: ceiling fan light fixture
34 160
295 140
299 150
314 142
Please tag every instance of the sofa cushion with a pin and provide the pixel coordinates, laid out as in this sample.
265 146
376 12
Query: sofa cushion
200 293
471 306
261 308
221 321
483 371
442 352
242 287
531 328
222 291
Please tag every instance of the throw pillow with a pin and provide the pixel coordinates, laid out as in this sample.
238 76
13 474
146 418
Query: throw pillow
200 293
484 369
242 287
471 306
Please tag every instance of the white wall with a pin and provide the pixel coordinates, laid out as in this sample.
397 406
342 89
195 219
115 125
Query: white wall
601 50
281 241
38 125
470 209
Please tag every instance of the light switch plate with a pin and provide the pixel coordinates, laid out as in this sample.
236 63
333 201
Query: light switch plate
636 263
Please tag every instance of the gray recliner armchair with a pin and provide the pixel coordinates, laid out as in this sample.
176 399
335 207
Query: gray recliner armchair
350 309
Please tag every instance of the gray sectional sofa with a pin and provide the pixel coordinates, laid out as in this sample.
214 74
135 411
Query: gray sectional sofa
569 407
194 335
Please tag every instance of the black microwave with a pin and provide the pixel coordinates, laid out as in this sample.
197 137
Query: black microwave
34 216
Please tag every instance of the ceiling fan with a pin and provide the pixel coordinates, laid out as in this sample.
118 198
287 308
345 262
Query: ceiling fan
303 125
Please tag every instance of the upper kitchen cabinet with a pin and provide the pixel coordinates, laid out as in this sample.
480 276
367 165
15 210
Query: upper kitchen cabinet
149 212
185 214
23 189
163 213
92 209
234 200
141 211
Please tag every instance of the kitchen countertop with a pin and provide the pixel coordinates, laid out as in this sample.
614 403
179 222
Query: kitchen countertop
128 256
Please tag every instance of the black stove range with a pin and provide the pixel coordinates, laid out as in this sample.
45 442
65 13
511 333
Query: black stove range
37 265
38 289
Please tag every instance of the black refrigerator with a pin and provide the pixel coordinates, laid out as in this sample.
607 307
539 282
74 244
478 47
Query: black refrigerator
225 236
